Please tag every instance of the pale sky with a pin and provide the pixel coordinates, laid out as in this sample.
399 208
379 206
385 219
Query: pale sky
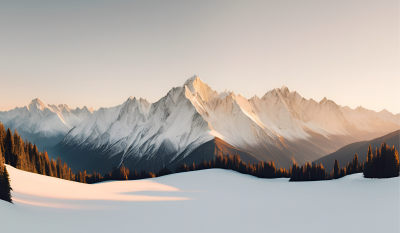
98 53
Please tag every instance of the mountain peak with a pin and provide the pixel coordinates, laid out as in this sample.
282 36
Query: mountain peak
283 92
285 89
36 104
326 101
85 108
134 100
360 108
197 87
64 107
195 83
37 101
192 80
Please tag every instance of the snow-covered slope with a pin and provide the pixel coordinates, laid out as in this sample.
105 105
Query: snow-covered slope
279 126
202 201
139 128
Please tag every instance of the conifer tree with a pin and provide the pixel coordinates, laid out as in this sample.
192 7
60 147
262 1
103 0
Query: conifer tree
9 148
336 170
355 164
369 154
5 187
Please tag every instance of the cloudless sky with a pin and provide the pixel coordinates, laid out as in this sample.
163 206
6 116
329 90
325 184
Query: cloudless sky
98 53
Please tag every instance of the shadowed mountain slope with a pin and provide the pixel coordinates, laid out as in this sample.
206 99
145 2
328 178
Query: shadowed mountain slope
346 153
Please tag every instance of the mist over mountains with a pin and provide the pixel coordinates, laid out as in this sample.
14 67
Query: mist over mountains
192 123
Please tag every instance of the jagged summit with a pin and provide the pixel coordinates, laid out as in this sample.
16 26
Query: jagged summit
326 101
36 104
282 92
36 101
284 89
136 100
191 80
196 87
195 83
134 105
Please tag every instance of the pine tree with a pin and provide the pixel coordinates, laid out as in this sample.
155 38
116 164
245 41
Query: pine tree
369 154
9 148
336 170
5 187
2 136
343 172
355 164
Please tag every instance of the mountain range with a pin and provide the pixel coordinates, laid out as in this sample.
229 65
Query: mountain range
192 123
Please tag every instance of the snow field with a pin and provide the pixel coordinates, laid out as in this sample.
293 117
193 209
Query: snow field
202 201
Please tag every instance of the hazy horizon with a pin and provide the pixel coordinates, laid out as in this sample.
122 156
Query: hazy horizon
97 54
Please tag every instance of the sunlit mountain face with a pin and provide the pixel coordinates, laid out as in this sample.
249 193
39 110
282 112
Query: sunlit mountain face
193 122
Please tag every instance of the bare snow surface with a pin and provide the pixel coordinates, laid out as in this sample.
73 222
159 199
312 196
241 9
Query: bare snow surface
202 201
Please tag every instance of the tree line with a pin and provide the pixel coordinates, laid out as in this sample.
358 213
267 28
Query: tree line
384 163
260 169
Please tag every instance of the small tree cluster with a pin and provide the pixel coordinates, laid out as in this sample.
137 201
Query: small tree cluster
383 164
308 172
352 167
337 171
123 173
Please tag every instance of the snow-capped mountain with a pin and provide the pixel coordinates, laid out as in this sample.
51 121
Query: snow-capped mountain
279 126
192 123
43 124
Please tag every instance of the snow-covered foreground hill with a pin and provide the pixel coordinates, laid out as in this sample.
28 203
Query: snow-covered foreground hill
202 201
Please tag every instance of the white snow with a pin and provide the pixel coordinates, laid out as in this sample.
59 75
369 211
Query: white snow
202 201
